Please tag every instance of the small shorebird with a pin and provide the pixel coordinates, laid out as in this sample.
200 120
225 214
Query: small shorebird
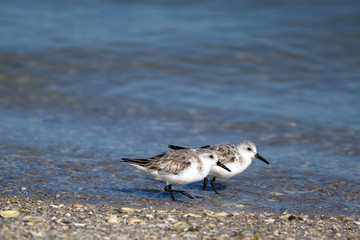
236 157
178 167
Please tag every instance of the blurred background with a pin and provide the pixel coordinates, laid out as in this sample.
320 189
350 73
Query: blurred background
84 83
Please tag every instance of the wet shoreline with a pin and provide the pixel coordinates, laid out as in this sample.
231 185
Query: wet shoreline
56 219
61 136
83 85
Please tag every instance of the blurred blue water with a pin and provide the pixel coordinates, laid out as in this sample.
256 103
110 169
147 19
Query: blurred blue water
85 83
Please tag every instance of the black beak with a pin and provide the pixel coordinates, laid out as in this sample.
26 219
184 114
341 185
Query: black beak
223 166
261 158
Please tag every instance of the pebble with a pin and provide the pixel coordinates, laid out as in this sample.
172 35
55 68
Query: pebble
127 210
216 214
269 220
56 206
33 219
285 216
171 219
292 217
79 224
178 228
66 221
179 223
136 221
37 234
9 213
78 205
112 219
192 215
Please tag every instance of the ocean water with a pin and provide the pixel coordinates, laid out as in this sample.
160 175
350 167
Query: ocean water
84 83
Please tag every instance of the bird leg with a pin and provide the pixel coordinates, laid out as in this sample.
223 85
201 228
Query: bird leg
212 184
205 183
168 189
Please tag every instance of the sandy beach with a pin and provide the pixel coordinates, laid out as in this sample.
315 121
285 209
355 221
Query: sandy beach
30 217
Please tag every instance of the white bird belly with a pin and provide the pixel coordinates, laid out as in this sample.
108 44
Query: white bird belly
235 168
189 175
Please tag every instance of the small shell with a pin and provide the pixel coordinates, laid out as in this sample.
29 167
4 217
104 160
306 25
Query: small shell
9 213
33 219
127 210
136 221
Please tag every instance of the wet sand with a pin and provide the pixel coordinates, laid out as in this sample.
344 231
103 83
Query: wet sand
32 217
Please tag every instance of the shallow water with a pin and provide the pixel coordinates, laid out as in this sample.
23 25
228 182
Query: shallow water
84 84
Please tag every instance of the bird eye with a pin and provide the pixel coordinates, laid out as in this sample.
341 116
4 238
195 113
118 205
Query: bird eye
249 149
211 156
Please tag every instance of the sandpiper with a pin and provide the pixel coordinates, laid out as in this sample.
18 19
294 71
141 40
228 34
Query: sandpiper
178 167
236 157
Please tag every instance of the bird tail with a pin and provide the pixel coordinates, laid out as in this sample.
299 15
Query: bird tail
138 161
175 147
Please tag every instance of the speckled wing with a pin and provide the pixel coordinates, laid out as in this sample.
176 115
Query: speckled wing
171 162
226 153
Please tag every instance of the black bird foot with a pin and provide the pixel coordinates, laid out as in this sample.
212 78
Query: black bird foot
168 189
186 194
